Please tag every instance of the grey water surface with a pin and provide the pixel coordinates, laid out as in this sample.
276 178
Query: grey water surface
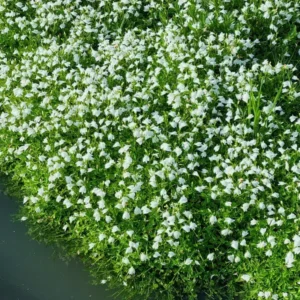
28 270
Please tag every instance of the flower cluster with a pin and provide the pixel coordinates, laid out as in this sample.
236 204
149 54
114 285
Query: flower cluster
160 139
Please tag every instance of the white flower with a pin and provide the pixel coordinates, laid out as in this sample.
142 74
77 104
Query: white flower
97 215
183 200
229 170
230 258
269 253
296 250
263 231
91 245
101 204
137 211
261 294
67 203
126 215
243 242
146 159
158 239
101 236
72 218
127 161
145 210
171 254
108 219
125 261
131 271
110 137
155 245
111 240
188 261
245 207
124 149
156 254
213 220
178 151
18 92
143 257
176 234
98 192
226 231
188 214
271 240
115 229
268 294
247 254
245 233
165 147
289 259
130 232
246 277
237 259
200 188
193 225
181 2
186 228
210 256
296 239
154 204
128 250
82 190
134 245
261 244
229 220
291 216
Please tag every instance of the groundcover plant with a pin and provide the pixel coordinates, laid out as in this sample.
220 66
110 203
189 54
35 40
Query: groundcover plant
158 140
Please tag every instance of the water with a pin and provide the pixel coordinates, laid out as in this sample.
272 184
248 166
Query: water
29 271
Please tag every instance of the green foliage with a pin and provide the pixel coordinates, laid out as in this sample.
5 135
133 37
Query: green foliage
158 141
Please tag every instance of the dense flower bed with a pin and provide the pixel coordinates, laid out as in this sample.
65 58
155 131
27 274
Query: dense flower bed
158 140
